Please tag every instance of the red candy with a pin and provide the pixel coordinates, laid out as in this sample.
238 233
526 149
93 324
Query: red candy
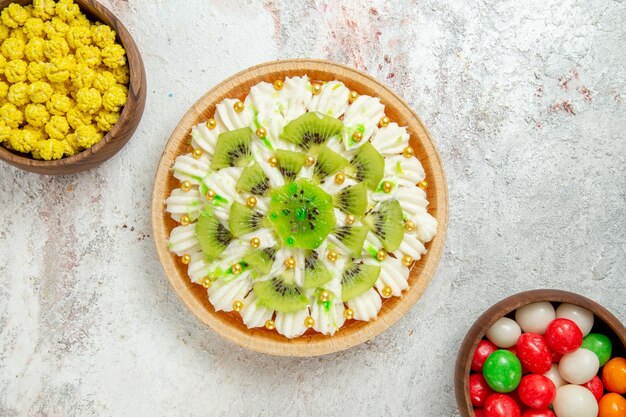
563 336
479 412
533 353
501 405
537 391
596 387
479 390
484 349
556 357
539 413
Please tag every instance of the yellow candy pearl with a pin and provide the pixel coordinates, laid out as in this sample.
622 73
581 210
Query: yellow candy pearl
251 201
350 219
423 184
261 132
309 322
290 263
384 122
409 226
309 161
324 296
206 282
210 195
211 123
407 260
185 186
316 89
270 325
357 136
340 178
387 292
238 106
273 161
387 186
353 96
185 259
236 268
332 256
408 152
348 313
381 255
237 305
185 220
278 85
197 153
255 242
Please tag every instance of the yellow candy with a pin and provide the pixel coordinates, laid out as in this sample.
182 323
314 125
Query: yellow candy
14 15
15 71
121 74
18 94
4 32
5 134
59 104
34 50
36 114
11 115
49 149
89 55
56 47
58 70
103 81
82 76
67 10
77 118
115 98
55 27
63 88
87 136
43 9
81 20
106 119
13 48
89 100
4 89
23 140
78 36
102 35
57 127
113 56
33 28
36 71
70 146
40 92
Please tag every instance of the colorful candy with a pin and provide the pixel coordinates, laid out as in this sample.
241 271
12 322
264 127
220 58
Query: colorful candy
504 333
501 405
579 366
535 317
575 401
503 371
563 336
612 405
595 386
579 315
533 353
479 390
538 413
554 376
482 352
600 345
614 375
536 391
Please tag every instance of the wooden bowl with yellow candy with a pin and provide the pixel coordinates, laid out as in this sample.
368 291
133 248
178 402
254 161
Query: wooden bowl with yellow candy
124 120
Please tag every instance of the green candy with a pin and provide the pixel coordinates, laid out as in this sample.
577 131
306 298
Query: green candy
600 345
502 371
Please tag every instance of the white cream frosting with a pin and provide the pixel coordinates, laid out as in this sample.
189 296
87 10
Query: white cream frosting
366 305
291 324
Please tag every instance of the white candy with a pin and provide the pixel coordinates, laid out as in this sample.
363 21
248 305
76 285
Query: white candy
579 366
504 333
554 376
575 401
535 317
579 315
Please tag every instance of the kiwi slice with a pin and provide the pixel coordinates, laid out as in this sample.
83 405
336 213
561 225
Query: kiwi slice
280 293
253 180
212 235
387 222
261 260
328 162
311 130
356 279
315 272
243 219
368 165
290 163
302 214
352 199
352 237
232 149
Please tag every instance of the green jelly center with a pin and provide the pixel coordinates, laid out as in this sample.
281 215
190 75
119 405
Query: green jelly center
302 214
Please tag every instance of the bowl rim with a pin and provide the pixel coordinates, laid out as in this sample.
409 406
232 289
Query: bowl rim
507 306
314 344
135 104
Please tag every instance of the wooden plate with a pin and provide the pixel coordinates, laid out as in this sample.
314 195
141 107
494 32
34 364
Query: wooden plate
605 323
129 119
311 343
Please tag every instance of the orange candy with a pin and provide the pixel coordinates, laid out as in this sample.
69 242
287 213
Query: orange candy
614 375
612 405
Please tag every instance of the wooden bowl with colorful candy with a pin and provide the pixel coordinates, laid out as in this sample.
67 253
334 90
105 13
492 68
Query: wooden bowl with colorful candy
543 353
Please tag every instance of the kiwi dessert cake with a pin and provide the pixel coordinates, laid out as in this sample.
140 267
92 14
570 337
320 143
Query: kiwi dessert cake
301 206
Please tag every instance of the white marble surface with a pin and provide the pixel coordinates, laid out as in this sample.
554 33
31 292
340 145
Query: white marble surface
526 102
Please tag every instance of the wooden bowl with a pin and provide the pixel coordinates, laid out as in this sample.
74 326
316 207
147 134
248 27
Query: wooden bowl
121 132
605 323
230 325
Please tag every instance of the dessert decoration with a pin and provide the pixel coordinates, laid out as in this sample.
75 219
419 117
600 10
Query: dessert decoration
64 79
299 206
540 365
